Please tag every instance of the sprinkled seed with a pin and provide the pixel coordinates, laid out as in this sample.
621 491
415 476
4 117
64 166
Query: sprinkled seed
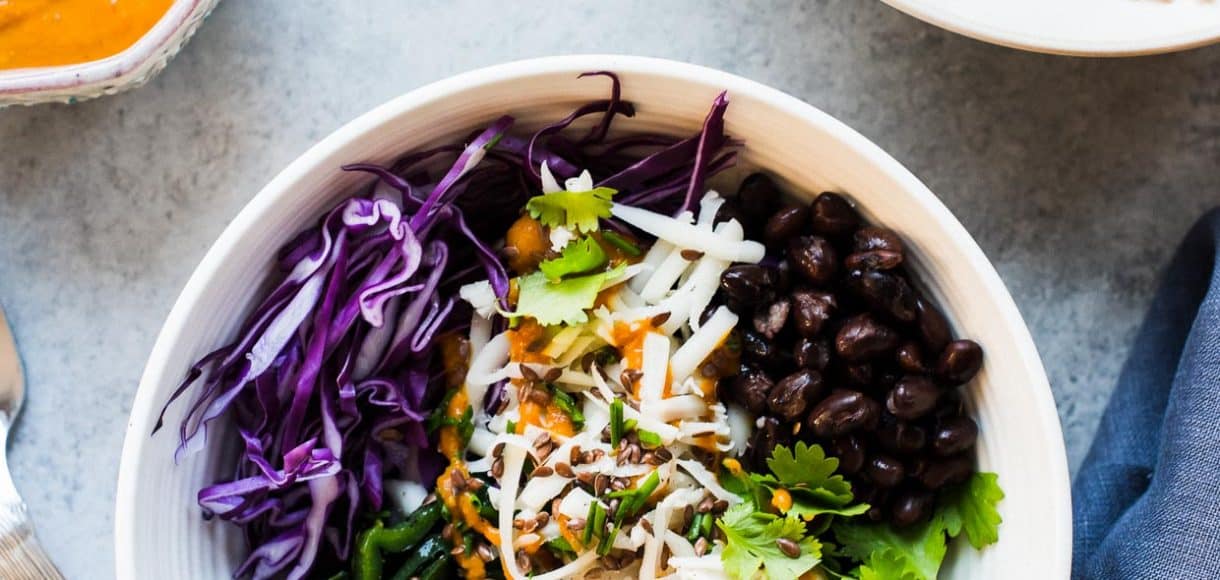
447 532
618 484
688 515
497 468
528 526
574 455
542 439
690 255
701 546
651 459
529 373
647 525
523 561
485 552
459 481
659 319
629 376
555 503
564 469
553 375
586 362
458 550
664 454
706 505
788 547
545 451
498 450
540 396
612 563
474 484
543 519
597 455
600 483
576 524
543 471
537 344
720 506
585 478
518 523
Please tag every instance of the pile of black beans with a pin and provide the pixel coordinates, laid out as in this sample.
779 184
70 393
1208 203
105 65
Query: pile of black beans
839 348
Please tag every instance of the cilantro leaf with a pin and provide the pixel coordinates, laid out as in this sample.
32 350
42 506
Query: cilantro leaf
914 554
807 510
561 302
806 468
578 257
750 544
575 210
972 506
917 553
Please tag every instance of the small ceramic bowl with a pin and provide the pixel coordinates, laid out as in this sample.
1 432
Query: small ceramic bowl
158 529
128 69
1077 27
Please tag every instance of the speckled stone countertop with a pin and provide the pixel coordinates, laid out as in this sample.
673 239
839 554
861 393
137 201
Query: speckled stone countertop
1076 176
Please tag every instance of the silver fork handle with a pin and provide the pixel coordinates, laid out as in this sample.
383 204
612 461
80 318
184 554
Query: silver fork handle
21 557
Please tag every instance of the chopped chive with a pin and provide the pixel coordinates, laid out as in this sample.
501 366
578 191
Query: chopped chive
629 425
599 519
510 426
696 527
589 519
623 244
560 545
568 405
616 423
649 439
705 527
607 543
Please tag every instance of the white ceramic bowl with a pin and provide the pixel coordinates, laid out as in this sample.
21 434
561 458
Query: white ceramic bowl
1076 27
158 530
128 69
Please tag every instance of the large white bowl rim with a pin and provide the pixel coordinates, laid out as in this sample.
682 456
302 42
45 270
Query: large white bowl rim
158 532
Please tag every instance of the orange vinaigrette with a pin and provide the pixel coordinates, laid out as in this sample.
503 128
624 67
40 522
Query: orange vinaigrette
35 33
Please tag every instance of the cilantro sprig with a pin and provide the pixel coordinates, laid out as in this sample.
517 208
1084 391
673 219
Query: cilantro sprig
575 210
752 544
562 302
584 255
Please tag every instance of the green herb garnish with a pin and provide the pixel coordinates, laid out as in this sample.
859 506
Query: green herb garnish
616 423
622 243
568 405
649 439
575 210
584 255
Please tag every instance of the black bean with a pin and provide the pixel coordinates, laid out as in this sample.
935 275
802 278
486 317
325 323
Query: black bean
770 320
843 412
933 328
757 348
862 338
901 437
878 498
910 507
731 210
859 375
811 354
937 474
784 225
814 258
793 394
913 397
811 310
751 388
850 450
747 284
831 215
950 406
873 238
758 195
885 471
875 260
959 362
910 358
885 293
954 435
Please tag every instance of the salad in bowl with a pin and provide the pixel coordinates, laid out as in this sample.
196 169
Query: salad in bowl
562 353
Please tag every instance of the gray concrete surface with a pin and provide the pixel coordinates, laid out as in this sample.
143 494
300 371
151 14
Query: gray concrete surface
1077 177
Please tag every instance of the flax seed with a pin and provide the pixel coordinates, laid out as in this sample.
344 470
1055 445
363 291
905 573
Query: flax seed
553 375
542 471
690 255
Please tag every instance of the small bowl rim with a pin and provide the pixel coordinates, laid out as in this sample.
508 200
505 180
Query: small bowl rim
146 404
933 14
111 70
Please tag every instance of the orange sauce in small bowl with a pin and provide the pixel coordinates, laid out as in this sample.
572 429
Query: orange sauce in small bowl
40 33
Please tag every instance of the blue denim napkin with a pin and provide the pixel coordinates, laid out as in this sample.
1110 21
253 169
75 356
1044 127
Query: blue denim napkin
1147 499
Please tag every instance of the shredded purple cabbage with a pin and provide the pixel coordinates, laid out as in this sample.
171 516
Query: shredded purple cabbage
330 379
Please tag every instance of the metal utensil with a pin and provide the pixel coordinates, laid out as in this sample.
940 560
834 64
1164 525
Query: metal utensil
21 557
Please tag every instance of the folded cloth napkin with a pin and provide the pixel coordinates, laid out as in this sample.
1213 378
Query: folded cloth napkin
1147 498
